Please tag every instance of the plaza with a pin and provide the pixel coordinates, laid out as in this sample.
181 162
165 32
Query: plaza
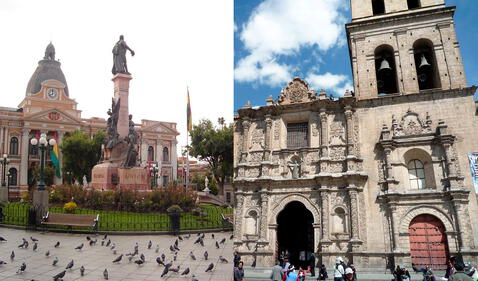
97 258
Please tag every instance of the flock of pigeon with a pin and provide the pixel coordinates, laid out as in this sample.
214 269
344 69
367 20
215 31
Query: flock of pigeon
164 262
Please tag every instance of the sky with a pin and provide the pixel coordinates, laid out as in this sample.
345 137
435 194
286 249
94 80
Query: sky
277 40
177 43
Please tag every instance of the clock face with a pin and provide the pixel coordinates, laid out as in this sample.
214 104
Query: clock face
52 93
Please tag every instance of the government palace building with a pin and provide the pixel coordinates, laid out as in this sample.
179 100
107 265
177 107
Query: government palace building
380 176
47 107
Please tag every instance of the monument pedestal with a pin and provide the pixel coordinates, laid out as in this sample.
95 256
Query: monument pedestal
104 176
135 178
108 176
3 194
40 203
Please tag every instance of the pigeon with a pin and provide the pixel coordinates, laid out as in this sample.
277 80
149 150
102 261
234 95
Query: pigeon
212 235
2 262
47 254
187 237
201 242
24 244
130 258
55 261
193 257
165 271
210 267
203 236
136 247
59 275
57 244
12 255
171 248
102 243
35 246
176 248
113 246
222 259
118 259
82 270
79 247
70 265
180 238
108 243
217 245
159 261
22 268
175 256
93 242
33 239
176 243
231 237
197 240
169 264
185 272
206 255
163 256
106 235
150 244
194 278
105 274
157 249
88 238
175 269
222 241
139 262
114 252
2 239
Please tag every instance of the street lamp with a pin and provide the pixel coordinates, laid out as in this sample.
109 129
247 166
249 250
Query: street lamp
154 173
9 176
5 162
42 143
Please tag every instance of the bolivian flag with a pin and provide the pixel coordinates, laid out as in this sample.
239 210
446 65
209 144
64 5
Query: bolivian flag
54 159
189 120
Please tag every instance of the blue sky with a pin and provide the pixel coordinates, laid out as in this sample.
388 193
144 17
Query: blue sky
289 38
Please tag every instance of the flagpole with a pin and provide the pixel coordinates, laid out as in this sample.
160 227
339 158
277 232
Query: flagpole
187 142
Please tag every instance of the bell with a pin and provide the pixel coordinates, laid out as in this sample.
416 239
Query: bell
384 66
422 77
424 62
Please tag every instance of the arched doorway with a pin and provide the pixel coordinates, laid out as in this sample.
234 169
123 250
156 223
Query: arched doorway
428 242
295 233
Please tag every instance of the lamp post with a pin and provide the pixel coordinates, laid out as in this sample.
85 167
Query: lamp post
42 143
5 162
154 172
8 184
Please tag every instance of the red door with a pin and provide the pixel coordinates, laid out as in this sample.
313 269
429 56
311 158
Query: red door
428 243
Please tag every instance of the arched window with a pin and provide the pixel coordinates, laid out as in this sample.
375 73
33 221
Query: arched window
385 70
425 65
413 4
12 177
150 153
165 154
378 7
14 146
340 225
416 173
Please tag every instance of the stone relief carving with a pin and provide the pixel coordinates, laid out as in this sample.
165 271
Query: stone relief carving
356 138
295 92
256 157
337 133
411 124
257 137
335 167
276 129
337 153
252 172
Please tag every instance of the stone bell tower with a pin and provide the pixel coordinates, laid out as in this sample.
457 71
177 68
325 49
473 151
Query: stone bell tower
400 47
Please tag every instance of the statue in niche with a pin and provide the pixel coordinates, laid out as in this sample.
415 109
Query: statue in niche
294 166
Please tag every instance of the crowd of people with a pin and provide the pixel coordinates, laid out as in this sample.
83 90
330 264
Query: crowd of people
283 270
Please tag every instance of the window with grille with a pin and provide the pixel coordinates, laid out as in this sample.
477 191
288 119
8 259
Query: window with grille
416 173
297 135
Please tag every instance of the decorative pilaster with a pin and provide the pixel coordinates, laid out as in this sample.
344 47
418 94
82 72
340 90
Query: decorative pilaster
325 241
324 133
267 141
354 212
350 128
264 215
245 139
395 230
24 158
238 216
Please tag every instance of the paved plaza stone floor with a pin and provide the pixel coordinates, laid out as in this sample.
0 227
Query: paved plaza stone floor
96 258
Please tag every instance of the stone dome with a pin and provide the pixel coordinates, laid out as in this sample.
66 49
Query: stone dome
47 69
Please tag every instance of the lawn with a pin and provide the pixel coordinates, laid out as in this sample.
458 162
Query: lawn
17 214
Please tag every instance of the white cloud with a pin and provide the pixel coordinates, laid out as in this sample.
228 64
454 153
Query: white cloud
335 83
177 43
281 28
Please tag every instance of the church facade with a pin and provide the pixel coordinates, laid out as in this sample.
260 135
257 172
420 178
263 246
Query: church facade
48 108
379 176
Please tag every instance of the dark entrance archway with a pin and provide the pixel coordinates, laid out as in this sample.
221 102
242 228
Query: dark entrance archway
295 233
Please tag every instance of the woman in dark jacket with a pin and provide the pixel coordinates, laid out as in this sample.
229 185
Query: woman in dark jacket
322 273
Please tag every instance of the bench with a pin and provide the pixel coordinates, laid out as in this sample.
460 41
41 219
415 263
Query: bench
71 220
227 220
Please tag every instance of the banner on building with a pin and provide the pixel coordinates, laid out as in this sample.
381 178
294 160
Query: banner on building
473 158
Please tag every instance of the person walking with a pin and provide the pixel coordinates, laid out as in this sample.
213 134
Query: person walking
277 273
349 274
291 275
460 274
237 259
239 272
323 273
312 264
339 270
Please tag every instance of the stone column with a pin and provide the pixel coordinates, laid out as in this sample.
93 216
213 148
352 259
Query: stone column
324 133
350 130
354 213
238 216
264 215
395 228
245 139
174 159
2 137
462 218
121 92
59 180
388 165
325 215
24 158
449 160
267 141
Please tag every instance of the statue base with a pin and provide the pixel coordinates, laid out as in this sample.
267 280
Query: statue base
108 176
3 194
40 203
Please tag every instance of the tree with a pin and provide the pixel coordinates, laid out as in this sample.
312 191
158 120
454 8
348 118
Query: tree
81 154
213 144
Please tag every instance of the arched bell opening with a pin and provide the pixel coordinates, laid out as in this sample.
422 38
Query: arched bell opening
385 70
425 65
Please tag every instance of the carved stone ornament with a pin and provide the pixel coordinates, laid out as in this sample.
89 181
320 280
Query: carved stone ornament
296 91
411 125
337 133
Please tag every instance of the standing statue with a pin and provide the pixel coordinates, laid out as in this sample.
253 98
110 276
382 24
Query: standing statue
49 52
294 165
132 141
111 128
119 56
